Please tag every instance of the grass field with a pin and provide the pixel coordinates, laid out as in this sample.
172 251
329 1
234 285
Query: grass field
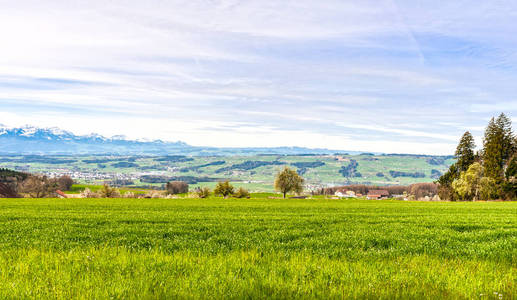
256 248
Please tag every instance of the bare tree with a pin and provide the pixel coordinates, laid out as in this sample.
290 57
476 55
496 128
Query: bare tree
8 191
39 187
176 187
65 182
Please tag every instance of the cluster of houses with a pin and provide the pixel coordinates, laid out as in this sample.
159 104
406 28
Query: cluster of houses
372 194
92 176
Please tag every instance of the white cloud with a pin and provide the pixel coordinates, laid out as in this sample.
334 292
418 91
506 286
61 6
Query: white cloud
383 75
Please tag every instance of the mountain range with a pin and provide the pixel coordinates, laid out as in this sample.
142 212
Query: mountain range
48 141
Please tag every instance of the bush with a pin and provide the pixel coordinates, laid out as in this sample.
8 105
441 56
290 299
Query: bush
109 192
177 187
242 193
203 192
129 195
87 193
153 195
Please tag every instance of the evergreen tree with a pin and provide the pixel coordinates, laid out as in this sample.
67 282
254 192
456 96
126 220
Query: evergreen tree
445 191
465 152
493 159
465 157
510 185
511 169
508 138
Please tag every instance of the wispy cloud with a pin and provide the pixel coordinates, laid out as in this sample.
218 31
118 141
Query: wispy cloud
387 76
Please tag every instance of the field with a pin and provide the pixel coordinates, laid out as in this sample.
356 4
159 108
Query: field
256 248
254 172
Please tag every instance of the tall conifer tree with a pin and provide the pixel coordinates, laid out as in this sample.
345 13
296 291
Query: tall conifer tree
493 160
465 152
465 156
508 139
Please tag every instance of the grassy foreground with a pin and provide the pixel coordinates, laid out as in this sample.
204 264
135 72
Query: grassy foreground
256 248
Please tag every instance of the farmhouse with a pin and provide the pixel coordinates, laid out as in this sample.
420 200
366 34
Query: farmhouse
345 194
60 194
378 194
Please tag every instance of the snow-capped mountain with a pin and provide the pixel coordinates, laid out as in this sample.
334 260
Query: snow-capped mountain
34 140
32 132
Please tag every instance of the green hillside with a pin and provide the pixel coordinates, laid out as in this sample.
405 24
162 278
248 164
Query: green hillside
255 172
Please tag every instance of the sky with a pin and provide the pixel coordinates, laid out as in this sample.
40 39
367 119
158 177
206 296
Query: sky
380 76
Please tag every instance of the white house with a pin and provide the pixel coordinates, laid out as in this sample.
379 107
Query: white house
345 194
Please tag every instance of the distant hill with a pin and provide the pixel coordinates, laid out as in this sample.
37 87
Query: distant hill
255 172
45 141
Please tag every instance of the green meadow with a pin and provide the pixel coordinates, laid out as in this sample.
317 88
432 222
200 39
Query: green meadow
256 248
254 172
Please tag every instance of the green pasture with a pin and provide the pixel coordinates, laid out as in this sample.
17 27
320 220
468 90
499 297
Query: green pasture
256 248
261 177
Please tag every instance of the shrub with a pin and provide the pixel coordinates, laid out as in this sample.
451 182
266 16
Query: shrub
87 193
242 193
129 195
153 195
203 192
109 192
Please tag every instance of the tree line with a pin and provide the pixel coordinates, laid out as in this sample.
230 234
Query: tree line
488 174
14 184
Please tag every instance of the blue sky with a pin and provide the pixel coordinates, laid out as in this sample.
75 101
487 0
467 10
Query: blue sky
385 76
